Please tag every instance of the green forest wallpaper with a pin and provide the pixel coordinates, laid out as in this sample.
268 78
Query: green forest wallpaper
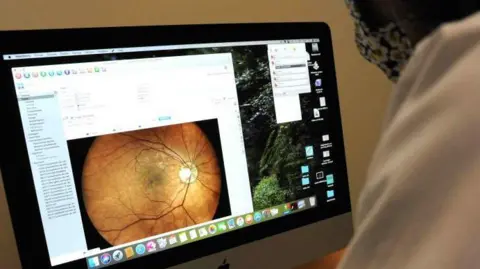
275 152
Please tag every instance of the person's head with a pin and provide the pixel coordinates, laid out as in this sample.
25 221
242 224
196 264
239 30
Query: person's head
387 30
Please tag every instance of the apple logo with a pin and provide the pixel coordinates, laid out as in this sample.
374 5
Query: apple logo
224 265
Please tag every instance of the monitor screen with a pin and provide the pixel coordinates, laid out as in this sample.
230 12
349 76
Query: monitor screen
138 150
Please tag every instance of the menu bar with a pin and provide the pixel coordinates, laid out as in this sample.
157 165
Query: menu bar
187 236
39 55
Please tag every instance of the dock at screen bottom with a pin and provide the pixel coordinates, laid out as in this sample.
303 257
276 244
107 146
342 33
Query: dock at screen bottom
192 234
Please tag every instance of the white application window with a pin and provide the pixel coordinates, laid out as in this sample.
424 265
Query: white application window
126 107
290 77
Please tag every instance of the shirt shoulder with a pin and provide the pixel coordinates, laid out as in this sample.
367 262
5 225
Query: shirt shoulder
449 47
418 208
439 94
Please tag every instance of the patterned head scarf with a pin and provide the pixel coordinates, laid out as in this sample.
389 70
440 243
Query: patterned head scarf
386 46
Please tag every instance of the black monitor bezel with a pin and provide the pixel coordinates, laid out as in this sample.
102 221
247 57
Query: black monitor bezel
14 162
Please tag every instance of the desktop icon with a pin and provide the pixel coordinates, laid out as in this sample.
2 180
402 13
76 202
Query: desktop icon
305 169
301 204
18 76
74 71
117 255
172 240
59 72
129 252
240 221
257 216
330 180
104 69
316 113
35 74
323 101
140 249
266 213
83 71
43 74
202 232
97 69
316 66
330 194
287 209
315 47
305 181
319 175
325 138
106 258
212 229
318 83
309 151
249 219
313 201
162 242
222 227
274 211
326 154
183 237
67 72
151 246
93 262
51 73
231 224
26 75
193 234
90 70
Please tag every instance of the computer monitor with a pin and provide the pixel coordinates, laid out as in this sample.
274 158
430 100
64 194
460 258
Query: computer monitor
203 146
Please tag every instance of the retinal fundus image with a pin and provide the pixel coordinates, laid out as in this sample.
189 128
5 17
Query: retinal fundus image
147 182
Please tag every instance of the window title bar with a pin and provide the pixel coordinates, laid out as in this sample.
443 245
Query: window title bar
40 55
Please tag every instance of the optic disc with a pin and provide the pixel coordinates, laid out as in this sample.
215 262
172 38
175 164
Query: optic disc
188 173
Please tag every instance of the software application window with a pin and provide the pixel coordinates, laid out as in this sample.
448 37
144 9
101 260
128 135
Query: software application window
288 109
290 78
124 118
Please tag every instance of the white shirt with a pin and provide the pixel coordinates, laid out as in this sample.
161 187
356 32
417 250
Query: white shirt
421 204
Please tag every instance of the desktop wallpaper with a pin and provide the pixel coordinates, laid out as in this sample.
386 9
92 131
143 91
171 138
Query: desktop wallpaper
275 152
151 181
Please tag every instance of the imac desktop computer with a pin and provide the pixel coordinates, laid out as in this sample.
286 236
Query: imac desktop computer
204 146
